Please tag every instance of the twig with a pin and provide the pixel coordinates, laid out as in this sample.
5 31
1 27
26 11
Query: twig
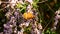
47 25
43 1
49 7
3 8
51 18
6 2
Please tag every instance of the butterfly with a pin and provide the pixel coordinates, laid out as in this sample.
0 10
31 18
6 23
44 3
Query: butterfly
28 15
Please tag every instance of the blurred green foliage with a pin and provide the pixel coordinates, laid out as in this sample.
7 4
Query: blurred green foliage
48 31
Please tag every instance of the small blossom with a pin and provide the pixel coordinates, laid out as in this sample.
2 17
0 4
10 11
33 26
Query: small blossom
20 1
11 25
27 24
13 3
0 2
29 8
30 1
15 31
21 31
39 26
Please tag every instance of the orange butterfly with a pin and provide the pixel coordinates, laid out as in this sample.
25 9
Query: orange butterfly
28 15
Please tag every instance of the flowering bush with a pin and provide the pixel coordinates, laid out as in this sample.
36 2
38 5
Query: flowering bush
29 16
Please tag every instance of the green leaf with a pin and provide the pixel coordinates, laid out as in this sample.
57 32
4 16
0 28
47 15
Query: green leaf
19 5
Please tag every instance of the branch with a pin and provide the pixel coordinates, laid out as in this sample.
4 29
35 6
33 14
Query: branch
43 1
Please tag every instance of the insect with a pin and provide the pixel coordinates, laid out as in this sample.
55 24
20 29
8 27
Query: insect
28 15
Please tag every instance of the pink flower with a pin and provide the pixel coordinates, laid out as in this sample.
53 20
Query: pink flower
30 1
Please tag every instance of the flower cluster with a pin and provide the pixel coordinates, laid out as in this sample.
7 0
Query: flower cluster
19 20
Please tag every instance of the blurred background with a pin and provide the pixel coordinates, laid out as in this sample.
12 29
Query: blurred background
48 15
